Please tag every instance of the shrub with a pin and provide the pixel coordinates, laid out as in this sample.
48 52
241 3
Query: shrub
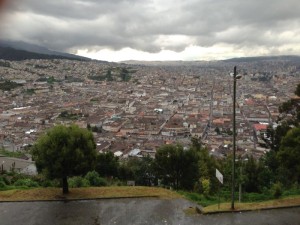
2 184
4 180
205 187
277 190
75 182
94 179
18 176
26 182
256 197
49 183
102 182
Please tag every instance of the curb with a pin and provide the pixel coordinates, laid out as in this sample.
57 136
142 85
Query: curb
246 210
81 199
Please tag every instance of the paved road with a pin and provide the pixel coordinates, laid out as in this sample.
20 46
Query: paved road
132 211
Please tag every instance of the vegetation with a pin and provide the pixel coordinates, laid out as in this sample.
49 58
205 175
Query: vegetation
70 79
86 193
65 151
283 159
96 129
30 91
284 202
70 116
107 165
14 154
8 85
176 167
4 64
113 74
124 74
49 80
68 154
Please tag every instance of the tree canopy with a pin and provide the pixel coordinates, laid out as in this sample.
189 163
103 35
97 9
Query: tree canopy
65 151
284 141
289 154
177 167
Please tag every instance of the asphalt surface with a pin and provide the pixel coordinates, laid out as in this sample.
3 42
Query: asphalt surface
133 211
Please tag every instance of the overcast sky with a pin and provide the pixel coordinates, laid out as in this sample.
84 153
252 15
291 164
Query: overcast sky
115 30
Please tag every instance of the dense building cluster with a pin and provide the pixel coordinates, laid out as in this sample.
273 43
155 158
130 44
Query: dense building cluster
133 113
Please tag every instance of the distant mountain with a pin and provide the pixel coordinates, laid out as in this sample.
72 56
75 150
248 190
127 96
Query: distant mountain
13 50
265 58
213 62
167 63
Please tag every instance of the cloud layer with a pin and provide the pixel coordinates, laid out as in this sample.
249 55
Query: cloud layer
228 27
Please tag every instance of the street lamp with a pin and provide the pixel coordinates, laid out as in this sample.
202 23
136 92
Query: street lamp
235 78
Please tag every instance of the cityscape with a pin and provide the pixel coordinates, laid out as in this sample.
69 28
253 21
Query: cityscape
149 112
162 103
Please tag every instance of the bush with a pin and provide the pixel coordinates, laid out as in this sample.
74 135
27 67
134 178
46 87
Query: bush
18 176
26 182
116 182
101 182
49 183
94 179
75 182
277 190
2 184
205 187
4 180
256 197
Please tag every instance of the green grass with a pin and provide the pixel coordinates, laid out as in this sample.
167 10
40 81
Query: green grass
282 202
210 203
250 201
86 193
291 192
11 154
11 188
199 198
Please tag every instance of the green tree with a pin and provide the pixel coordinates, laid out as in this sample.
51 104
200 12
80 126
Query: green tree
297 91
107 164
124 74
283 143
65 151
177 167
88 126
141 170
205 187
207 164
94 179
275 136
109 76
289 155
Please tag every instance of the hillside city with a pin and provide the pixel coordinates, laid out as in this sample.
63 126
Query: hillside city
134 108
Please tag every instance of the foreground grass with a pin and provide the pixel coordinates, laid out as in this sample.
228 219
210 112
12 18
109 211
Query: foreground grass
283 202
12 154
39 194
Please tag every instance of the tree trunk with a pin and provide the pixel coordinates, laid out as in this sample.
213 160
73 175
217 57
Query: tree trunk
65 185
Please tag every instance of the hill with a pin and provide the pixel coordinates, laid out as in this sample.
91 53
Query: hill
214 62
10 50
265 58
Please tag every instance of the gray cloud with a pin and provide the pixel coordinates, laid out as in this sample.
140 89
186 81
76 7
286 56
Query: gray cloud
116 24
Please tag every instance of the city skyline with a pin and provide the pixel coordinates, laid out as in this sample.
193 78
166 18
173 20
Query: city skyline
155 30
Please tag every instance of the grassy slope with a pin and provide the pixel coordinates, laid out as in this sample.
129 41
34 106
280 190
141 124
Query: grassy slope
283 202
38 194
85 193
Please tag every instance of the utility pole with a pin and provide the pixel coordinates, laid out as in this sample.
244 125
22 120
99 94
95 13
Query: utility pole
235 77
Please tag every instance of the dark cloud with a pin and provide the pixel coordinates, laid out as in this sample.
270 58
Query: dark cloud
142 25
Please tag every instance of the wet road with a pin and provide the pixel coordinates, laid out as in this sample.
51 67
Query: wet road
133 211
